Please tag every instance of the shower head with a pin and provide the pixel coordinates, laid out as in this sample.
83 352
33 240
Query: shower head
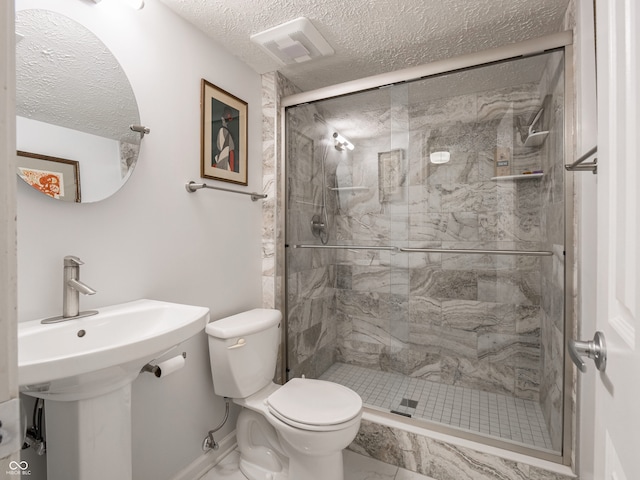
535 138
341 143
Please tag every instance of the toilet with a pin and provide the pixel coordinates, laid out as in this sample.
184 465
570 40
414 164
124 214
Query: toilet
295 431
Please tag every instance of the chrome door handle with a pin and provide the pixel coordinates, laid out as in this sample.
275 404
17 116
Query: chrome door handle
595 349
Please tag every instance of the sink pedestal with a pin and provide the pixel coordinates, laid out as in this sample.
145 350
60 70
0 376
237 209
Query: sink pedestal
83 369
90 438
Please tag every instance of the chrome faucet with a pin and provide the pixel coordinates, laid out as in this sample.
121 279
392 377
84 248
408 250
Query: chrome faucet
72 288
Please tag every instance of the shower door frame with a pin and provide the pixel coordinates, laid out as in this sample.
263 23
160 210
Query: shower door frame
562 41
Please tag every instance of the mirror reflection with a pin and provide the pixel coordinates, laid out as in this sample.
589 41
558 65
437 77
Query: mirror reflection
74 106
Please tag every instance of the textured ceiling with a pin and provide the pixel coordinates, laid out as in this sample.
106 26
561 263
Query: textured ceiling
56 85
67 77
372 36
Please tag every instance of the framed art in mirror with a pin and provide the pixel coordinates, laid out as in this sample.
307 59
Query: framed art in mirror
223 149
57 178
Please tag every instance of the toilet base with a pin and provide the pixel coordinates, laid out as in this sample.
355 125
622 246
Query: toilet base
261 456
309 468
255 472
265 455
317 468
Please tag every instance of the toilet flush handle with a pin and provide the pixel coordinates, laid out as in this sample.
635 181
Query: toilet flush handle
240 343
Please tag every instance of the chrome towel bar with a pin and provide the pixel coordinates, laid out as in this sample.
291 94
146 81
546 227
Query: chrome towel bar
193 187
530 253
349 247
580 166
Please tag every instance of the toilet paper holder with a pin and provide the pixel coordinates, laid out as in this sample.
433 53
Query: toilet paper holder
157 369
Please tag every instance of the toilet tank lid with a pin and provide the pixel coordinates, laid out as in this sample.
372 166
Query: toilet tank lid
245 323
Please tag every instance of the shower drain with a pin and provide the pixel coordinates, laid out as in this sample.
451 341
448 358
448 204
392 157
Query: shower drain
406 408
408 403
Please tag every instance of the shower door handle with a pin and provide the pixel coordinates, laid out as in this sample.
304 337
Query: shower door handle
595 349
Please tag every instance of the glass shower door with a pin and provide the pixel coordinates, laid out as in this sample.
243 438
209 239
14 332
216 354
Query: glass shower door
426 263
486 250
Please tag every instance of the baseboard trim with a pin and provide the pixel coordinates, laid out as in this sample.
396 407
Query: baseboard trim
208 460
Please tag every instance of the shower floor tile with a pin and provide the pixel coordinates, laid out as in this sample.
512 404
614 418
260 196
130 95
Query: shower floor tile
492 414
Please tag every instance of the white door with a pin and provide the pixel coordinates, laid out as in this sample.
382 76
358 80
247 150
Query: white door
617 417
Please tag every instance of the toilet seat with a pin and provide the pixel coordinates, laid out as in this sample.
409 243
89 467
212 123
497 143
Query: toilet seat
315 405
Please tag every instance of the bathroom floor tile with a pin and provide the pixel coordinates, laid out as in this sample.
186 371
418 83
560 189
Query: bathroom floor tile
227 469
356 467
360 467
409 475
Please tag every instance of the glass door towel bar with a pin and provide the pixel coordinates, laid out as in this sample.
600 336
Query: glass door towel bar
348 247
530 253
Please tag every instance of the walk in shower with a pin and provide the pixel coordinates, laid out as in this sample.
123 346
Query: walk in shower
425 249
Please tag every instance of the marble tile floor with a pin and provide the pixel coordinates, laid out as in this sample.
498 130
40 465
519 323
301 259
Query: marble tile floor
512 419
356 467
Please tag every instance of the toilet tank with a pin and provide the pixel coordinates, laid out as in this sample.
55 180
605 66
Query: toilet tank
243 350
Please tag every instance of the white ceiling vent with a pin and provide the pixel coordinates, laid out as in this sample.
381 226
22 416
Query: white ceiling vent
293 42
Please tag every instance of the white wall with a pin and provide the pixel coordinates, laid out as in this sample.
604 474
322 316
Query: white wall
153 239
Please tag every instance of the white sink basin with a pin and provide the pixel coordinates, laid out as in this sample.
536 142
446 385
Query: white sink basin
90 356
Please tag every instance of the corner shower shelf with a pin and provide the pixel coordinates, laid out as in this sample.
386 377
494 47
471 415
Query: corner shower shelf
518 177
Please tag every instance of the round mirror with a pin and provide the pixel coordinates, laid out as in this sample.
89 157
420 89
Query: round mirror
74 107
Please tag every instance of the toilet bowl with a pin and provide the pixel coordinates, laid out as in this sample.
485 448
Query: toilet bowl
296 431
313 422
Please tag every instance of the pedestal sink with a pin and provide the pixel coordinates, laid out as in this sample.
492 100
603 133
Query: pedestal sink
83 368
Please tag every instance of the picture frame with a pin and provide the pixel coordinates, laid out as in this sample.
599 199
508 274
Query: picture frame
391 175
224 124
55 177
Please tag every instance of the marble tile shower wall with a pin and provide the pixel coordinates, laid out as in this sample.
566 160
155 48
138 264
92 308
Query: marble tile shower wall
271 87
274 88
312 329
552 222
473 320
441 460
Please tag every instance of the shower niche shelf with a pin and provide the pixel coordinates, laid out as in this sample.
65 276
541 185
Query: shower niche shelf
518 177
